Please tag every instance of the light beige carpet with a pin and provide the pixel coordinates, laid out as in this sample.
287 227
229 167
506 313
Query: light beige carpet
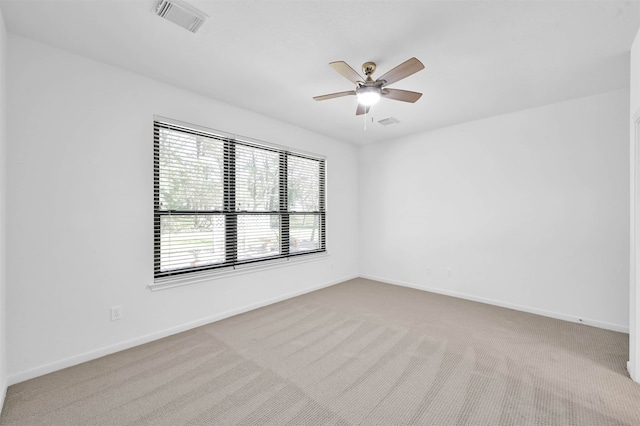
359 353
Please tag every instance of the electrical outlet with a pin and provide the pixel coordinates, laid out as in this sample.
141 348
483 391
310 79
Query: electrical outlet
449 272
116 313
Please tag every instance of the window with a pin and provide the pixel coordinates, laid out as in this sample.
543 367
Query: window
220 201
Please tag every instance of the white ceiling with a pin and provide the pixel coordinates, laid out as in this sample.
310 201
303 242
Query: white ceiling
482 58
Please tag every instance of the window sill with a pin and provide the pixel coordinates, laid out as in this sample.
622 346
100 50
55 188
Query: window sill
178 281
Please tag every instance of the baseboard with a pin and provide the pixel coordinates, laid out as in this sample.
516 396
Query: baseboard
127 344
503 304
3 393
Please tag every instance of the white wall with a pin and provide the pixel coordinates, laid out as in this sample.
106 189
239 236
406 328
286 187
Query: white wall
529 210
3 321
634 74
634 294
80 221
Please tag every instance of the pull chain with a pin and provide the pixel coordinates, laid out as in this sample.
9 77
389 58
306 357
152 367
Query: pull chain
365 118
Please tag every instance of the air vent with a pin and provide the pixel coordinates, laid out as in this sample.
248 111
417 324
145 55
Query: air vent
390 120
180 13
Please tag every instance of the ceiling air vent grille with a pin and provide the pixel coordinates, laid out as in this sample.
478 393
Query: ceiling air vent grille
390 120
180 13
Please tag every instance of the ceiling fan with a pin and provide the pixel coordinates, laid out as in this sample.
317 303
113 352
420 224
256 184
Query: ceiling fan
368 90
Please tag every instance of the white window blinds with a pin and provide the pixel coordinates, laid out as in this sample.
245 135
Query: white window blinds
221 202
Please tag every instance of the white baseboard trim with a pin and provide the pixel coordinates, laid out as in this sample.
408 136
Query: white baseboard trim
3 393
127 344
503 304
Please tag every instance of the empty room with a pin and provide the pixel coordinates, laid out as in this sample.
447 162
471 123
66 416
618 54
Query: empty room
319 212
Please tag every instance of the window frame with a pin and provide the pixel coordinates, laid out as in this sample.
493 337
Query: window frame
230 211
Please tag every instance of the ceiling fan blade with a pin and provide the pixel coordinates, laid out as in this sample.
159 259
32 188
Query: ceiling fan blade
362 109
334 95
401 95
346 71
405 69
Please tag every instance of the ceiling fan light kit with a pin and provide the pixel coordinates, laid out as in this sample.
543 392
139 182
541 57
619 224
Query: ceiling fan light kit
368 96
369 91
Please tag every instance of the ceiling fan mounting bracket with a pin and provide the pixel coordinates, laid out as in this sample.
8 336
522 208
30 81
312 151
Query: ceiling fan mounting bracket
368 68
